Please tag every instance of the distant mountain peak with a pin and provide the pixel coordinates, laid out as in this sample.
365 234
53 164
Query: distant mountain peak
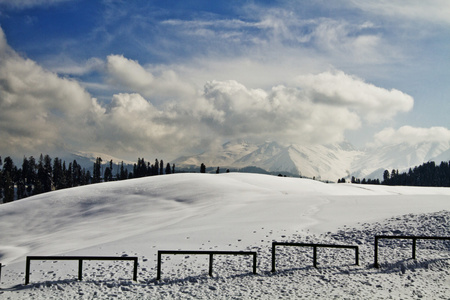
326 162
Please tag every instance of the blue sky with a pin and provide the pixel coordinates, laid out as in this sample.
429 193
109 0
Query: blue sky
169 78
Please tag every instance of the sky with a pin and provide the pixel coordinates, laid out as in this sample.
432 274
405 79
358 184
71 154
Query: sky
170 78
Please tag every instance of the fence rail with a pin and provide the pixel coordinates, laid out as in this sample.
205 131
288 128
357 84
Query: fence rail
80 263
408 237
315 246
199 252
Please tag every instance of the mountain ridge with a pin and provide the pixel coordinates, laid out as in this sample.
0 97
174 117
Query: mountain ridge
325 162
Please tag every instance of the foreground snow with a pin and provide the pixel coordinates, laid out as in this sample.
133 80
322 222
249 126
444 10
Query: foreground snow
226 212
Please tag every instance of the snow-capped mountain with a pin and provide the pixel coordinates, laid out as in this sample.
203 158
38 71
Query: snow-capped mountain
326 162
222 156
86 159
400 156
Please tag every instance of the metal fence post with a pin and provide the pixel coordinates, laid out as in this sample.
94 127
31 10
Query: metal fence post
135 269
414 248
273 256
210 264
254 263
158 268
375 263
27 271
80 269
315 256
357 256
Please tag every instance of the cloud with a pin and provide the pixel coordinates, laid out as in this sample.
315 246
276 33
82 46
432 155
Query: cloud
66 66
343 40
411 135
282 30
38 108
161 113
21 4
375 104
283 114
432 11
133 77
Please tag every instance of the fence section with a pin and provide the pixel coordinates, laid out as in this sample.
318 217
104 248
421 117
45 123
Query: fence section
199 252
408 237
315 246
80 263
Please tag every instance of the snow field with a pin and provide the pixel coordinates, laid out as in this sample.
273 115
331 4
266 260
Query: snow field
186 276
232 212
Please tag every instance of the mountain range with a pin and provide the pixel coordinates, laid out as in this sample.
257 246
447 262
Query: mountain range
324 162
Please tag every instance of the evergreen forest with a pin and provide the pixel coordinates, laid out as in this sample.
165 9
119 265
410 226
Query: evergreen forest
47 174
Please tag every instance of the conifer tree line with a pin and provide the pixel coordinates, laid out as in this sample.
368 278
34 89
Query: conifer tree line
45 174
427 174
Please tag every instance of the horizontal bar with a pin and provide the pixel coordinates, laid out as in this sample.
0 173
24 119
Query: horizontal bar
412 237
81 257
80 262
406 237
315 246
203 252
199 252
312 245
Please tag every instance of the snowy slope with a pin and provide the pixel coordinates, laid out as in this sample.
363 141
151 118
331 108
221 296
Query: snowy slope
232 211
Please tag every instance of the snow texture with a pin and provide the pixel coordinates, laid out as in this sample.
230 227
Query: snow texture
235 211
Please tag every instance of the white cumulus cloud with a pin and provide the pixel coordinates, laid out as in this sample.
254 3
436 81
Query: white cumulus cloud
411 135
134 77
38 108
339 89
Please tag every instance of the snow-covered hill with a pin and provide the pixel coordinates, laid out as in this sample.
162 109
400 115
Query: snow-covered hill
234 211
326 162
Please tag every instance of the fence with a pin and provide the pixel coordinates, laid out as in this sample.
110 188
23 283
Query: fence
80 263
315 246
210 253
413 238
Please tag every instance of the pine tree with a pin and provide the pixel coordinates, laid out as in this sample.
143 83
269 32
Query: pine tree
202 168
57 173
69 176
30 175
168 169
156 167
123 172
108 174
8 174
20 184
386 177
96 178
47 174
